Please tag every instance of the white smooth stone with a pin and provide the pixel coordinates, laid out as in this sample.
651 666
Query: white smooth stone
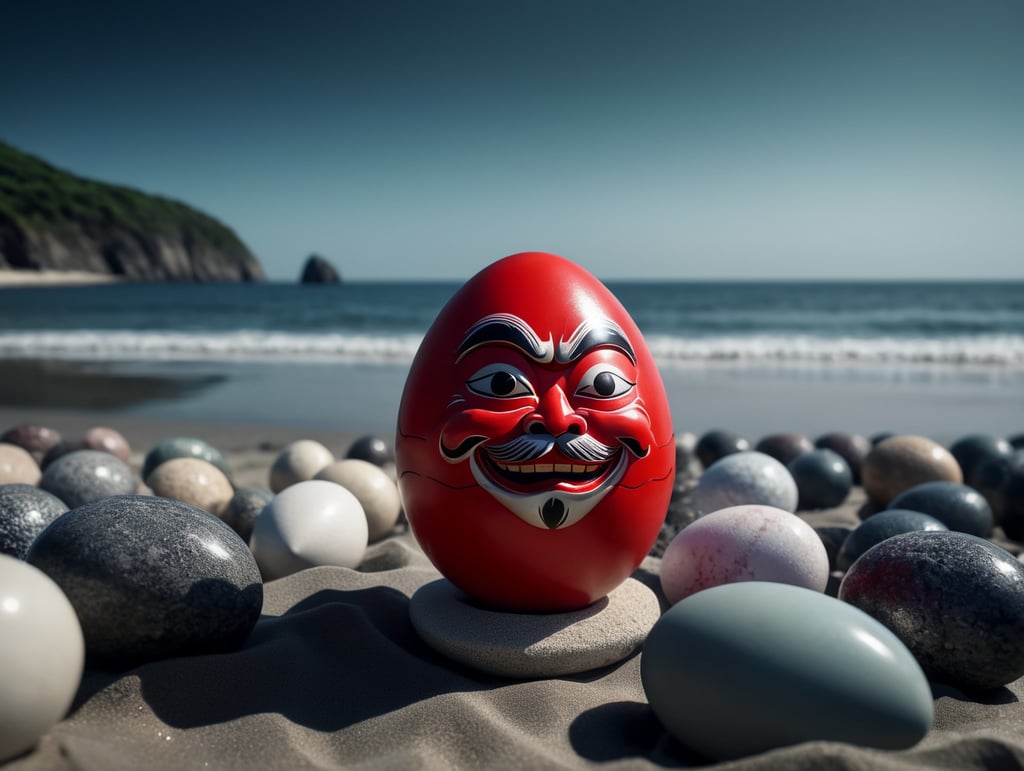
745 477
374 489
298 462
309 524
42 653
743 543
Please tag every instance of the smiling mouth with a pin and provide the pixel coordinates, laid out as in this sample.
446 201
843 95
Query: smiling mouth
524 476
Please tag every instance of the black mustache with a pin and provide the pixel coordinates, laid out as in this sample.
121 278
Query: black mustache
582 447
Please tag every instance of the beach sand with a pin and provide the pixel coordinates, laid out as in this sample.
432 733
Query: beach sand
334 676
54 278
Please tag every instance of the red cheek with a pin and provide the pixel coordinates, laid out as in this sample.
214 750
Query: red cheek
463 426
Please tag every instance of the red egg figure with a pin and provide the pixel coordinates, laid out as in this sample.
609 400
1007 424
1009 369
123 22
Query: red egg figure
535 450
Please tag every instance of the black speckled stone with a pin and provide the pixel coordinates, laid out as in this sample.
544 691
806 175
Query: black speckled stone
957 506
717 444
88 475
971 451
853 448
823 479
151 578
1016 441
25 511
243 509
875 529
955 600
183 447
372 449
785 448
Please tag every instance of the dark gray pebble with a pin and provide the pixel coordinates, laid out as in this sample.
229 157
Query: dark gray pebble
717 444
184 447
875 529
1013 504
955 600
88 475
785 448
833 537
972 451
853 448
881 436
372 449
243 509
25 511
823 479
957 506
991 479
151 578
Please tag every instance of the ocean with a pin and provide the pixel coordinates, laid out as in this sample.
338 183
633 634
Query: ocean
750 356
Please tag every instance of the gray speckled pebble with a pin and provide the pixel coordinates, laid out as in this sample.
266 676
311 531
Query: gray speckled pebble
955 600
25 511
527 645
243 509
184 447
88 475
151 578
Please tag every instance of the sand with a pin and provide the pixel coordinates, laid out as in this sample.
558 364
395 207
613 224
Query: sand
12 277
335 676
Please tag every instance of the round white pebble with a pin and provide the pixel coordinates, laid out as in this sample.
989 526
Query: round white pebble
374 489
309 524
745 477
298 462
743 543
42 653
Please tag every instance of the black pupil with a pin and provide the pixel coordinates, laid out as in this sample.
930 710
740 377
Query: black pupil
604 384
502 383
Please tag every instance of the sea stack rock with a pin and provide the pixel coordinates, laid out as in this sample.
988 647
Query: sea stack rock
317 270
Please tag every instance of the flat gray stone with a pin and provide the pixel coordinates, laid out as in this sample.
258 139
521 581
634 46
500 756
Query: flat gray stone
526 645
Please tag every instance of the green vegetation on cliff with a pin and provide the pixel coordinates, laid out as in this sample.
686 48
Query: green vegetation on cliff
111 227
44 198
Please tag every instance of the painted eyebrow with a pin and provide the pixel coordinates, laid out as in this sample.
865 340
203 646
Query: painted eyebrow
506 329
595 333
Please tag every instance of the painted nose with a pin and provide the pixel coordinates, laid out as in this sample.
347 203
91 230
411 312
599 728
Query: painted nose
555 416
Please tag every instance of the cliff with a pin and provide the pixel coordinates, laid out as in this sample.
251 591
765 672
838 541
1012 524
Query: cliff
53 220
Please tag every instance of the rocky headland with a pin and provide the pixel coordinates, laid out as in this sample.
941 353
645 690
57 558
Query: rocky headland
54 222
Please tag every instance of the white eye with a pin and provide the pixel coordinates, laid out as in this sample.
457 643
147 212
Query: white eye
500 381
602 381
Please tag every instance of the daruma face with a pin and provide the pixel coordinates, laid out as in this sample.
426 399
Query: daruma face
535 451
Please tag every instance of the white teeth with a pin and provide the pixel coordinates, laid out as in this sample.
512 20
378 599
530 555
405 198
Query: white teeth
547 468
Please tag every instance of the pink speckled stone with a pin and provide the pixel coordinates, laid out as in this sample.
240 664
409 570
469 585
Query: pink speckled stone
108 440
743 543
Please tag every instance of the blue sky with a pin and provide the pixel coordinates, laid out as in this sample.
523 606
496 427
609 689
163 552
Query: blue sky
655 138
